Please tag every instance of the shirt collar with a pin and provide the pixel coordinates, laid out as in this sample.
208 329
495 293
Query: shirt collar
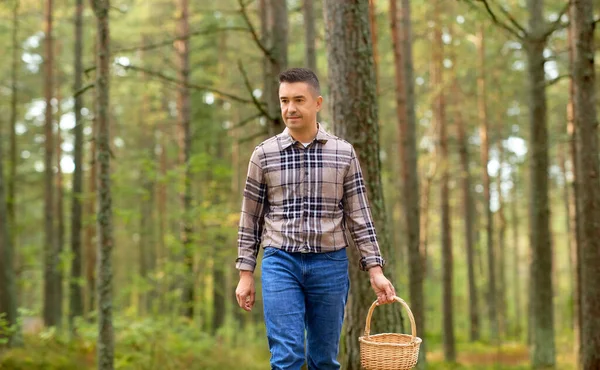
286 140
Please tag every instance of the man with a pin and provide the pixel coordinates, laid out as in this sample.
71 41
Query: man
304 188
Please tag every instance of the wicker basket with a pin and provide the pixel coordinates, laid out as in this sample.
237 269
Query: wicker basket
389 351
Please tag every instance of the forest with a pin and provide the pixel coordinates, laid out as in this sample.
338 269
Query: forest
126 127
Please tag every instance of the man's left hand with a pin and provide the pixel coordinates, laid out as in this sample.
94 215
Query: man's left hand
381 285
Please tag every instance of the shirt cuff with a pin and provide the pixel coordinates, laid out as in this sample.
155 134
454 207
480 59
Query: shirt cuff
371 261
245 264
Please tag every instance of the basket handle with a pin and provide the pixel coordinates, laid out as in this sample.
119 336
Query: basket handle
413 326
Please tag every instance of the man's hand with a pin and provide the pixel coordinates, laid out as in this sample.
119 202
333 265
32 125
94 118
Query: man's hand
245 290
381 285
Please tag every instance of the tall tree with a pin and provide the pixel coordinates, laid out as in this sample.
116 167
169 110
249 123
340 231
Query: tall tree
12 170
574 200
91 232
184 139
51 304
274 44
400 24
439 116
147 245
485 158
516 253
60 214
75 297
374 41
589 189
468 210
8 284
355 114
105 347
309 29
544 352
501 245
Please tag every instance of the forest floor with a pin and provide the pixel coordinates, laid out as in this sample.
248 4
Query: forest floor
167 345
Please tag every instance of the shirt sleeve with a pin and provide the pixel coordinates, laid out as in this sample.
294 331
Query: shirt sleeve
254 206
358 217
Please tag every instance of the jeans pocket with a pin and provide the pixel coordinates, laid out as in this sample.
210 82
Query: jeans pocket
269 251
337 255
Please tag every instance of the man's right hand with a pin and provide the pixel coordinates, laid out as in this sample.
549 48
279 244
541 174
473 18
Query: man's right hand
245 290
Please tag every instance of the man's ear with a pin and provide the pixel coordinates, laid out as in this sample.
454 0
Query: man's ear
319 103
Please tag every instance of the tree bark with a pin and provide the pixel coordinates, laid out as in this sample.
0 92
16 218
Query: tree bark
516 253
373 27
90 233
75 296
8 285
501 248
12 170
589 188
439 116
543 352
60 217
105 349
400 24
485 158
274 25
574 199
468 208
354 113
309 29
185 146
147 241
51 312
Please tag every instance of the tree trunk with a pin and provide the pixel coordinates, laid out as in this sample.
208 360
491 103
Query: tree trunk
8 284
485 158
468 208
90 233
574 199
354 113
501 248
439 116
516 262
60 222
309 25
543 352
147 245
373 28
12 170
274 25
182 48
589 190
105 351
51 311
405 111
75 297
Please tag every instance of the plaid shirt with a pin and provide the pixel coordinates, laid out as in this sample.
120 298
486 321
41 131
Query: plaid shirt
302 199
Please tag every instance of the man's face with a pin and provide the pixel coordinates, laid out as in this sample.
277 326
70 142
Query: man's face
299 105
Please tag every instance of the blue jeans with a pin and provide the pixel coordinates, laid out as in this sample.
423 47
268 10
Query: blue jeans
304 293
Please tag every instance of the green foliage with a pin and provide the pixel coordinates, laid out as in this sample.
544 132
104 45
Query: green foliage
146 344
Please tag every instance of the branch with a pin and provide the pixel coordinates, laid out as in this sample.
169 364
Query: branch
83 89
512 20
556 25
245 121
254 136
180 38
188 85
555 80
267 53
501 24
250 90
